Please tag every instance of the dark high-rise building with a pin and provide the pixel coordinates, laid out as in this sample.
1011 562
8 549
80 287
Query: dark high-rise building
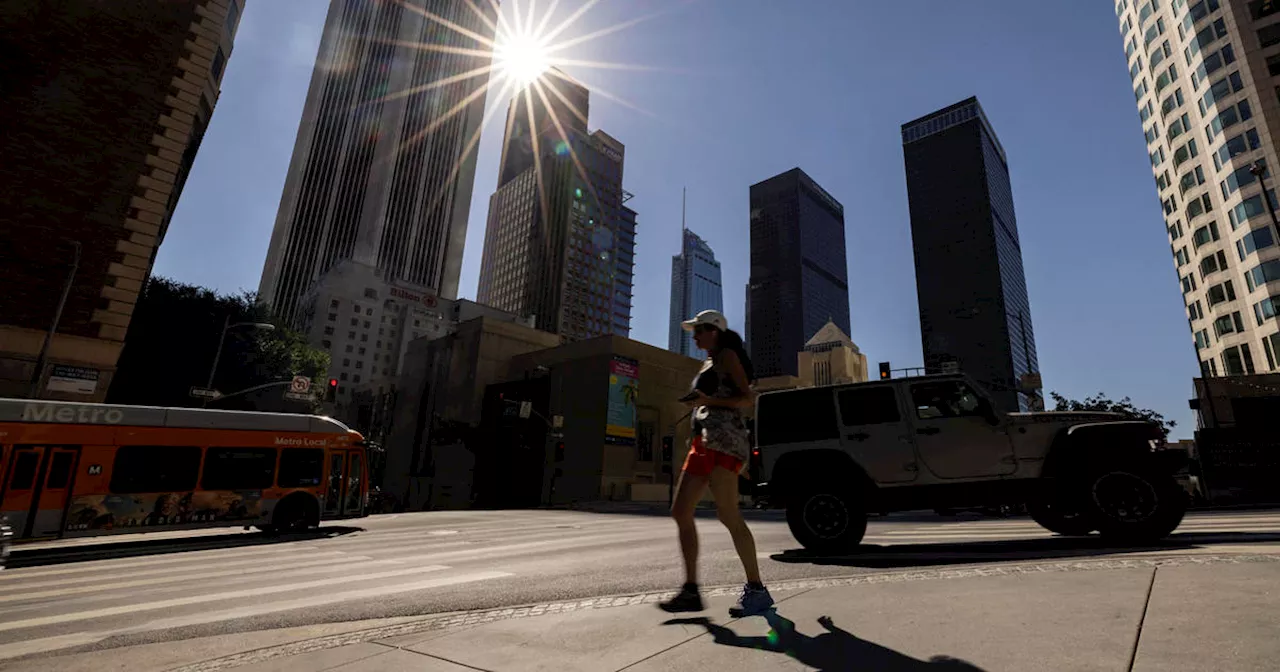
103 107
974 311
545 118
799 275
559 243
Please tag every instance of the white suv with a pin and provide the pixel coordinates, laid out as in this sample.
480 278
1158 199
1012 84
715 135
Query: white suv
832 454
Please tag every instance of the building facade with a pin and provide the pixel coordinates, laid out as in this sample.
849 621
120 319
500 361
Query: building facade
695 287
101 127
799 273
829 358
384 161
367 324
560 241
1204 76
974 311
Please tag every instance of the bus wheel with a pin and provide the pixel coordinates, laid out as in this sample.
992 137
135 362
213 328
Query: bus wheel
295 513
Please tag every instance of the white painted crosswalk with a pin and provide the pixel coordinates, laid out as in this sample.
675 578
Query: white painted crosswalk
45 608
53 606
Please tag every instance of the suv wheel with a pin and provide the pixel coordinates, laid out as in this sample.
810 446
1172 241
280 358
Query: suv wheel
1135 504
827 519
1060 517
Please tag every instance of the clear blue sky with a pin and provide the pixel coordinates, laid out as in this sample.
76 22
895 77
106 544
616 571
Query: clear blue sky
736 91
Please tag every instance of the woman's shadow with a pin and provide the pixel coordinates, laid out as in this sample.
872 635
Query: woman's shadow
832 651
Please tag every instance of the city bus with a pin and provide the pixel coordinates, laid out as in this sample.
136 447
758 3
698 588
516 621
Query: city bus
77 469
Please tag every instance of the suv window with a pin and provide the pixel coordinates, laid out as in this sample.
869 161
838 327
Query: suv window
945 399
796 416
869 406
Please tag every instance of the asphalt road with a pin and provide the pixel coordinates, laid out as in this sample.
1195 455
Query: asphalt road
115 591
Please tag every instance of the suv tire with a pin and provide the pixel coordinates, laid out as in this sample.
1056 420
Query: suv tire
1135 503
1060 517
827 518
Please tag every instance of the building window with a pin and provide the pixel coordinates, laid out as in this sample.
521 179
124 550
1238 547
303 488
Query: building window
333 303
369 312
355 322
356 308
349 348
362 351
356 379
326 344
644 441
1220 293
219 60
366 324
351 334
370 293
346 362
328 331
333 317
342 376
364 338
1260 275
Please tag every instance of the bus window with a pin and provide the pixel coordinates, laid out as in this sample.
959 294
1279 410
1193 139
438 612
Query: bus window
239 468
355 476
60 470
301 467
24 470
139 469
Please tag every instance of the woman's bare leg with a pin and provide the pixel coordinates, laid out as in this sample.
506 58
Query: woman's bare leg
688 492
724 488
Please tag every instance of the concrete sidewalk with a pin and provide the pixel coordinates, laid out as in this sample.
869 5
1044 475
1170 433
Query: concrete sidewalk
1176 613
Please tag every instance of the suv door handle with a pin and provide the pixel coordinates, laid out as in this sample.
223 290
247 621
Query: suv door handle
860 436
928 430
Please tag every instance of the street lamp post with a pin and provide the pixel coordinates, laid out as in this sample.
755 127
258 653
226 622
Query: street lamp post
217 355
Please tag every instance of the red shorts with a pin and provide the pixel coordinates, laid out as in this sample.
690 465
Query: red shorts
702 460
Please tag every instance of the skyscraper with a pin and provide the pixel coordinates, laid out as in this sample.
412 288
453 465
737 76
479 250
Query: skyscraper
974 311
799 274
104 106
384 162
559 242
695 287
1203 75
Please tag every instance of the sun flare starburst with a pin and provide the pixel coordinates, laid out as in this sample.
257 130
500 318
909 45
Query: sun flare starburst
525 52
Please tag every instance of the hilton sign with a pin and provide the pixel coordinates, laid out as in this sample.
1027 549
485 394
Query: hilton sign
425 299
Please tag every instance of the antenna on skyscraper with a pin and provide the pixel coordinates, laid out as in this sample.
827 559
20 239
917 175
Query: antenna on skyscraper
684 196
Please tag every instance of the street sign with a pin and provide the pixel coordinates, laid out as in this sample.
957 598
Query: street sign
557 421
298 396
950 367
526 409
202 393
300 384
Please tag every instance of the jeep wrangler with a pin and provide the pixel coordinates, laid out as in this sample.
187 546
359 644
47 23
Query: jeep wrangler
830 455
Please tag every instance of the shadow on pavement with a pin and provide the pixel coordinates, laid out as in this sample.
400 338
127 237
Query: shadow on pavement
832 651
110 550
924 555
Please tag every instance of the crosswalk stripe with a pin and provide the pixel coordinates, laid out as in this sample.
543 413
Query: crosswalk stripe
210 597
195 557
57 642
299 569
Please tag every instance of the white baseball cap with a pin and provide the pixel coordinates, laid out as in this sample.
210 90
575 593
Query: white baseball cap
710 318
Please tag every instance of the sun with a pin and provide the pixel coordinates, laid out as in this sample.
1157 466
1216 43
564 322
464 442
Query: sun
522 58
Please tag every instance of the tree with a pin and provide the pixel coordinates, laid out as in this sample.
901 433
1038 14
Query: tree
173 338
1101 403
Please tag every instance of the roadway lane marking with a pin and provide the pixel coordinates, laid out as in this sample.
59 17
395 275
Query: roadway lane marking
312 558
133 562
46 644
300 569
209 597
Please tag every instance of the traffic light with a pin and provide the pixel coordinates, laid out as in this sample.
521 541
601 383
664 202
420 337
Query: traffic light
331 392
884 370
560 451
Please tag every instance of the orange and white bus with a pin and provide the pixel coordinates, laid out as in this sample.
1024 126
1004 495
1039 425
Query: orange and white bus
74 469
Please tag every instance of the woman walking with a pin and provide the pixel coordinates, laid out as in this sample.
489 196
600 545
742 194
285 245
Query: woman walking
717 454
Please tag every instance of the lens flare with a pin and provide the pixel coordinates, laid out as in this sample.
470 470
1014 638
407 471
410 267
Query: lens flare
523 58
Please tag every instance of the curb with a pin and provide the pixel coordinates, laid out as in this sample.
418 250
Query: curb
459 619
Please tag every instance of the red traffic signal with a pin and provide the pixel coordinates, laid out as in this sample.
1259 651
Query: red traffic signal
331 393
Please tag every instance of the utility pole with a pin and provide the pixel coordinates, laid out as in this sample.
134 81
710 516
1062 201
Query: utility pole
38 376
